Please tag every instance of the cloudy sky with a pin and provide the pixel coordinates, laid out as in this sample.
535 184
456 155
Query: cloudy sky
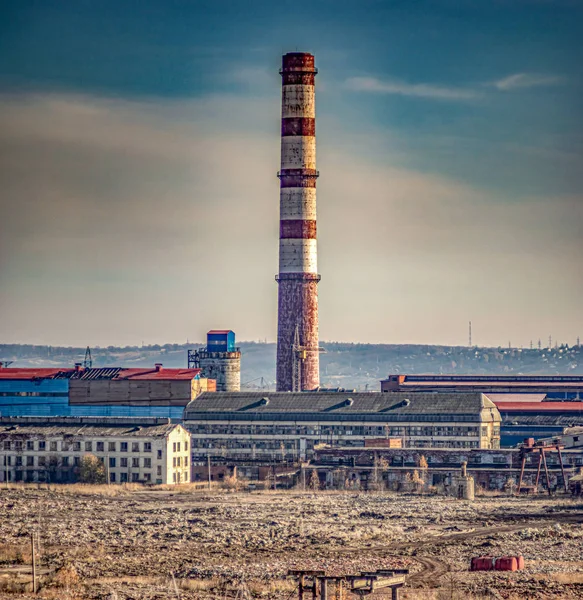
139 145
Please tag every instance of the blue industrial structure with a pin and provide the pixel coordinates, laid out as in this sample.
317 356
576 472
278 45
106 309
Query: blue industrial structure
220 340
45 393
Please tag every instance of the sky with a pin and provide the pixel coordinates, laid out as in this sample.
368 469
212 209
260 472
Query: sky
139 146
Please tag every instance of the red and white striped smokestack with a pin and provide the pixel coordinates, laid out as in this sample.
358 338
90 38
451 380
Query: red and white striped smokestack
298 364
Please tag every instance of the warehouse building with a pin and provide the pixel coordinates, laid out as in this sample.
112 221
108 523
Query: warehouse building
283 426
99 392
551 387
136 450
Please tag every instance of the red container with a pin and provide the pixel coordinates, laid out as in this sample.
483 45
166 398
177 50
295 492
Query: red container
506 563
520 562
482 563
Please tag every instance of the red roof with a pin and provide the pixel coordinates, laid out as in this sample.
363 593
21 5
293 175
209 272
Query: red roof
540 407
219 331
32 373
148 373
162 373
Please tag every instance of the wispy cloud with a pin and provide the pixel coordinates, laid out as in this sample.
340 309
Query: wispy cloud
526 80
420 90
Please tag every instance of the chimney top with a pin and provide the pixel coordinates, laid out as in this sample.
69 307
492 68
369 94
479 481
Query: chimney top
158 366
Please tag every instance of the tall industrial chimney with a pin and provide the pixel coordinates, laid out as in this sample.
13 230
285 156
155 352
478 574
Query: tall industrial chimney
298 364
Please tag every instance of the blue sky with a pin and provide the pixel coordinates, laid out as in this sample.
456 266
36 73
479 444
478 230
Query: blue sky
450 144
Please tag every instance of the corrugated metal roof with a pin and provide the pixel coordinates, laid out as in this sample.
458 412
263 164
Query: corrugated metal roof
86 430
33 373
118 373
337 402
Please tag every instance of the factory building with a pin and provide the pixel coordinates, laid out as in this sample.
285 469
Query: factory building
551 387
536 406
297 329
492 469
145 392
249 427
220 360
134 450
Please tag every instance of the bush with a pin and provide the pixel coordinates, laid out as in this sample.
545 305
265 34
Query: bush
92 470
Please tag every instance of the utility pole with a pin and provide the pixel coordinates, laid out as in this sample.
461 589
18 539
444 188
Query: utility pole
33 563
208 456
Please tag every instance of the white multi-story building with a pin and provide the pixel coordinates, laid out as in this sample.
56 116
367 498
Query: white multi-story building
140 450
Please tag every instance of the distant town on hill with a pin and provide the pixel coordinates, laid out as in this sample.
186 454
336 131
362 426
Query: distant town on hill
347 365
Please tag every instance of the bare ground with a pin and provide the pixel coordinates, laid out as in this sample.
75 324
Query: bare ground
163 544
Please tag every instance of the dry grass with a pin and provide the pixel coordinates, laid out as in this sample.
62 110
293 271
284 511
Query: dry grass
15 554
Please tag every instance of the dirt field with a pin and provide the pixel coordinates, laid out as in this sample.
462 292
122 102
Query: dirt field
115 544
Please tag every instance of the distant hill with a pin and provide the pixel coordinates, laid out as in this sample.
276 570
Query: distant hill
358 366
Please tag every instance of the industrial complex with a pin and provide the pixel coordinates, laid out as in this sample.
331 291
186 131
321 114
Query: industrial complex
200 417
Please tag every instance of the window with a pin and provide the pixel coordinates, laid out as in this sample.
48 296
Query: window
185 446
147 446
174 477
30 445
123 462
135 446
147 463
123 477
76 446
159 453
30 461
19 461
174 447
135 462
112 477
178 447
18 446
147 477
42 461
7 461
159 470
135 476
7 445
112 461
100 446
123 447
53 446
178 477
65 462
77 461
111 446
484 431
42 445
186 461
186 476
88 446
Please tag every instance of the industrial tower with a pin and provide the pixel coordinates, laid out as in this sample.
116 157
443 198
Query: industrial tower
298 364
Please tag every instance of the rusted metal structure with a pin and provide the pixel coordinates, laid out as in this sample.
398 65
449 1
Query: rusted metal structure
321 586
541 449
298 364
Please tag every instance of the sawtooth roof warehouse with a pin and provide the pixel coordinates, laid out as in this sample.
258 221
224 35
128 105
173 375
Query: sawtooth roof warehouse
289 425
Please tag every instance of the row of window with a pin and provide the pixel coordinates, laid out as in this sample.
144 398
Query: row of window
177 445
180 461
333 431
53 446
71 461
